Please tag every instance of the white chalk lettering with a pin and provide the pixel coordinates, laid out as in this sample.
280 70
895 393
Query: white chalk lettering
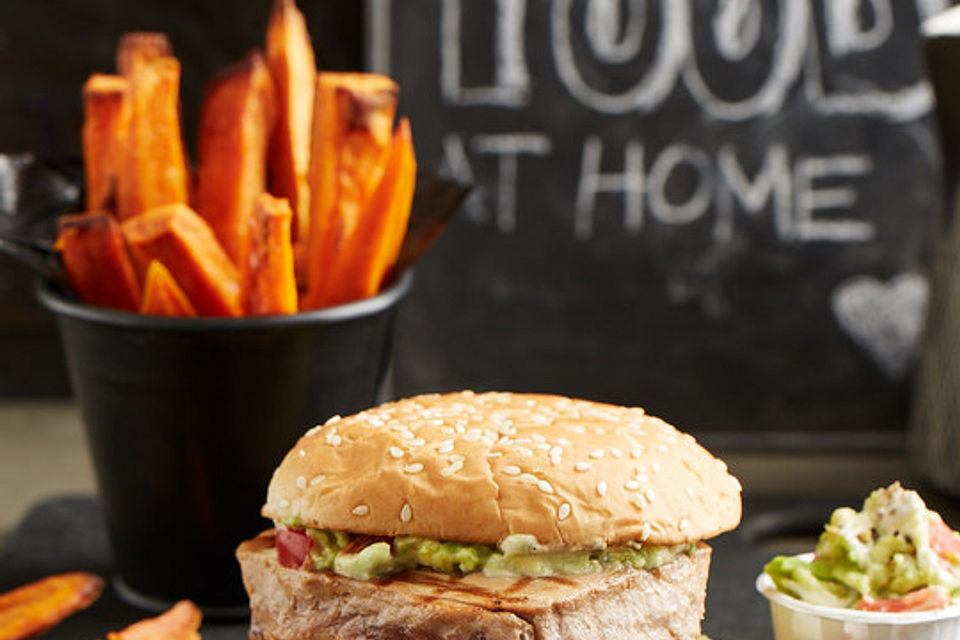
785 67
772 181
603 26
511 87
508 147
736 28
698 202
901 104
846 32
593 181
656 84
810 198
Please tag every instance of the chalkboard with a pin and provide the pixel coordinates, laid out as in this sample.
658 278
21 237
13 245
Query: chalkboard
720 210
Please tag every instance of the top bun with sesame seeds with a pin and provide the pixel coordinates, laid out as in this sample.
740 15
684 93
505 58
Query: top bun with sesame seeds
480 467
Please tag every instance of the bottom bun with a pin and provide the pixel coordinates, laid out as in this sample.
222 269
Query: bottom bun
293 604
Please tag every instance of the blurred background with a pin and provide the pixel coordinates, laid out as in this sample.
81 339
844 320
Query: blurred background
721 210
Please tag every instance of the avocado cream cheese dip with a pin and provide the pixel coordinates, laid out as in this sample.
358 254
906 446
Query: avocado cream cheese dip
365 558
893 555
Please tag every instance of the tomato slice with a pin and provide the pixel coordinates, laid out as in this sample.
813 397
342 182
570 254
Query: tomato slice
293 547
943 540
924 599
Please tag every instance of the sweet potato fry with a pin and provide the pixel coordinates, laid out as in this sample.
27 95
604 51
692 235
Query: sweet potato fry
236 120
106 109
185 244
180 622
35 607
293 67
96 261
352 136
358 270
154 169
269 286
162 296
138 48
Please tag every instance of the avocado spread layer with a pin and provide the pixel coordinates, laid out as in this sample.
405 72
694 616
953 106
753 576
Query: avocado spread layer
517 555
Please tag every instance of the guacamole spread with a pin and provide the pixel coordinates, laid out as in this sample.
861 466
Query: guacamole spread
893 555
518 555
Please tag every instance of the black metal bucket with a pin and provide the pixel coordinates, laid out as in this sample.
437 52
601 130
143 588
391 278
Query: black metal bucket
187 418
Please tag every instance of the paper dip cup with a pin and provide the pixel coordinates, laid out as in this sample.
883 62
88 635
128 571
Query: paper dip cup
186 419
795 619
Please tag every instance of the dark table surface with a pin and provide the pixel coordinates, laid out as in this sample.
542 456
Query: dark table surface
66 533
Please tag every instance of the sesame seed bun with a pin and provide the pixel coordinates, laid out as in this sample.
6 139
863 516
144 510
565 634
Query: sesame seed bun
479 467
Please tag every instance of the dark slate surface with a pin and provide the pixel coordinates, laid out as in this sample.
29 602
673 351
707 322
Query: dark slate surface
65 534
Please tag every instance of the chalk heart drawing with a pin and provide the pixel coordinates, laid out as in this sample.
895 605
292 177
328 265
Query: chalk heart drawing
884 318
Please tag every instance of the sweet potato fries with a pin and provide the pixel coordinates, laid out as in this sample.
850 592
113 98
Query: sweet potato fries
180 622
33 608
303 186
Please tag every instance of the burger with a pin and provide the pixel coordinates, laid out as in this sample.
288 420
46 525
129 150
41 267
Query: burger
489 516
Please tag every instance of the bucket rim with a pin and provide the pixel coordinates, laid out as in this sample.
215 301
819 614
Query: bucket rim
51 297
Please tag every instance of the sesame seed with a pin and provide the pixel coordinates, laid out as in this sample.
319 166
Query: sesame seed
314 430
582 466
407 435
333 439
645 531
544 486
455 466
334 419
640 502
662 448
596 454
494 454
564 442
406 513
284 503
563 511
360 510
512 470
691 493
602 488
447 430
542 446
656 467
616 453
301 453
396 452
459 428
650 494
524 451
301 482
632 485
317 480
636 453
419 442
414 467
538 437
684 523
643 478
556 452
528 478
